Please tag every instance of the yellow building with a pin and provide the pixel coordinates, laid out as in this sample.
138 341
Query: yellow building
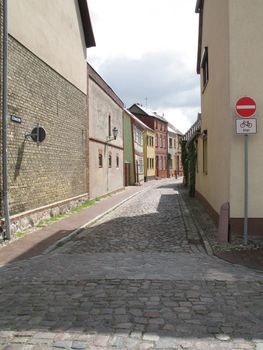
149 154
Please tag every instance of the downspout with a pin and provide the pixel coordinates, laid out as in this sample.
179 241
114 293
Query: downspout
6 233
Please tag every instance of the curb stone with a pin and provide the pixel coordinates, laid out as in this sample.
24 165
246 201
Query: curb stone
202 235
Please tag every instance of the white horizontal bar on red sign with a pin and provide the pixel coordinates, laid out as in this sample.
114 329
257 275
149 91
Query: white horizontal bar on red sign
246 107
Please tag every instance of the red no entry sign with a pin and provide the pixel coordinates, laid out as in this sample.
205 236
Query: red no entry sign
246 107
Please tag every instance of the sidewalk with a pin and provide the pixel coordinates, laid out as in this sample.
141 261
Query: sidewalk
39 241
234 252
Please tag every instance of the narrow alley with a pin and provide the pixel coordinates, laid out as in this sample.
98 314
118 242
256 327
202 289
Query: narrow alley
139 278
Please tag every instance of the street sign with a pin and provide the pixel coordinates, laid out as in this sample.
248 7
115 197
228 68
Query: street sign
246 107
246 126
15 119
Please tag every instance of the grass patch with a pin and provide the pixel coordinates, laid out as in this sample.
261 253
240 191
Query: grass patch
84 205
41 224
56 218
20 234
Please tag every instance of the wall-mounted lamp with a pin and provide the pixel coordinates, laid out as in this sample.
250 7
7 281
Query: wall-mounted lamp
115 134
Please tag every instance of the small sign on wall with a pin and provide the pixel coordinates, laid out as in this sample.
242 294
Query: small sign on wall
246 126
15 119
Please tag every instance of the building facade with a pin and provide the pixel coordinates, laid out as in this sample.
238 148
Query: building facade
128 149
149 154
174 152
160 127
106 169
138 131
47 88
142 151
230 54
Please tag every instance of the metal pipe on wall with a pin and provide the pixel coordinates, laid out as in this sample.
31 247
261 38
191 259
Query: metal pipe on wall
6 233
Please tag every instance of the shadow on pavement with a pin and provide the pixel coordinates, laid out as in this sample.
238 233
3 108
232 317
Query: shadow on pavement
177 308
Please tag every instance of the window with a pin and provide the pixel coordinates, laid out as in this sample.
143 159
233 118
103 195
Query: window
156 141
161 165
161 141
100 160
205 68
139 137
109 126
110 160
150 141
117 161
205 152
170 142
174 143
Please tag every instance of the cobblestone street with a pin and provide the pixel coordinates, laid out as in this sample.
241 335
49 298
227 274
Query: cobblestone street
139 278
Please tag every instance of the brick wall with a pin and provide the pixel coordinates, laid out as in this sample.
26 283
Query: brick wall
56 169
1 92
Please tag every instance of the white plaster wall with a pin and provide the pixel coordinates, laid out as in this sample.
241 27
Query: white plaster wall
104 180
246 79
52 30
100 107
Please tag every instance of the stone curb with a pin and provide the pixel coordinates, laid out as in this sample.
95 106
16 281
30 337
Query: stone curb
205 241
74 233
202 234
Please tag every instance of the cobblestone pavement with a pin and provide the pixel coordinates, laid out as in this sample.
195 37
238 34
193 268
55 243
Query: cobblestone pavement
138 279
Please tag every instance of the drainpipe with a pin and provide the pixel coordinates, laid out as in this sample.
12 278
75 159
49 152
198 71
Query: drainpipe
6 232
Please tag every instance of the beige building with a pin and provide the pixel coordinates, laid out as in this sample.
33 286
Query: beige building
106 169
47 87
230 56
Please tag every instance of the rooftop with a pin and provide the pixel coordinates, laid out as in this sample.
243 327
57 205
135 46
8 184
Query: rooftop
148 112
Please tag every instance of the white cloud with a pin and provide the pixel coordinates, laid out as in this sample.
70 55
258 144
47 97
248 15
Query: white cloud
147 48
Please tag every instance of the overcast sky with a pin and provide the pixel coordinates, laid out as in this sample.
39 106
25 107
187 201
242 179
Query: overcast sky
146 51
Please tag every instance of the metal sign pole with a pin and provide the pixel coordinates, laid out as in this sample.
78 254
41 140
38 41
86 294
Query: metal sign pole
245 189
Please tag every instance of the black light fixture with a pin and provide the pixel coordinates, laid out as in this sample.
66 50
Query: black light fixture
115 132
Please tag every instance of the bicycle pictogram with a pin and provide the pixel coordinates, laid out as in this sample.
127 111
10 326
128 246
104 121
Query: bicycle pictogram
246 124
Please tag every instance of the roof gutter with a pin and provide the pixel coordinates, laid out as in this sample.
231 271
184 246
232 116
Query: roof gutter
199 9
86 23
197 6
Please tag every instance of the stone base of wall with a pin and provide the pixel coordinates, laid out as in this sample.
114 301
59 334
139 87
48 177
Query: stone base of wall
149 178
211 211
162 174
255 225
32 218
